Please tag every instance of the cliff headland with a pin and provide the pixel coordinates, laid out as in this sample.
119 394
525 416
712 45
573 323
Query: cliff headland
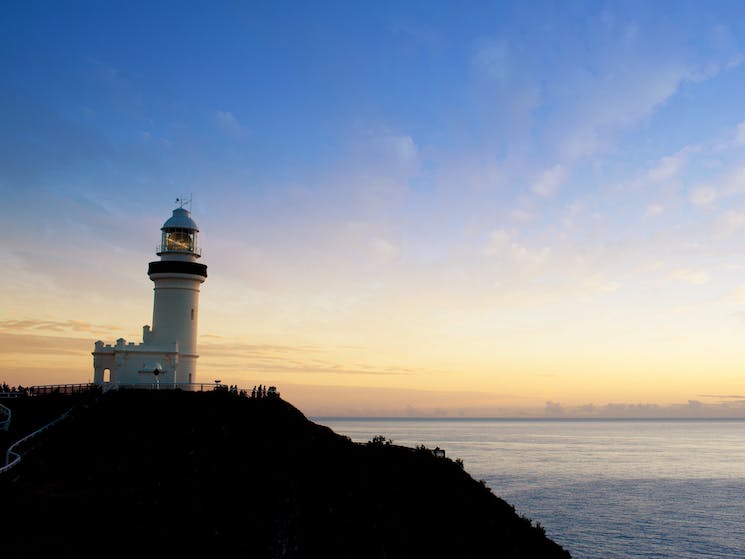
214 474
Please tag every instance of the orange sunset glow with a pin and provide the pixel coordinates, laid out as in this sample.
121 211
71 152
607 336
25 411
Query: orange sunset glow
403 214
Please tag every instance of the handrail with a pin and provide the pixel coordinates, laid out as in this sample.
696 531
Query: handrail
59 388
16 456
189 386
5 412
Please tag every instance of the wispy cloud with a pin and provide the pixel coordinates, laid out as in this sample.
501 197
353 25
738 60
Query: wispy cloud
228 123
549 181
669 166
503 246
598 283
730 222
38 345
694 277
251 359
621 410
492 59
704 196
654 209
384 249
740 133
33 325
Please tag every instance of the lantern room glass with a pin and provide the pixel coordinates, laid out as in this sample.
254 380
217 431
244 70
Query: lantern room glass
179 240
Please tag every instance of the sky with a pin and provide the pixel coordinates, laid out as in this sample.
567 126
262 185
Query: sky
482 209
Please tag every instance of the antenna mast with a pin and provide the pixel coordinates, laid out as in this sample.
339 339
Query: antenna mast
182 201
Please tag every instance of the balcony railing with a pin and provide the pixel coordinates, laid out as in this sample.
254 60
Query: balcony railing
161 248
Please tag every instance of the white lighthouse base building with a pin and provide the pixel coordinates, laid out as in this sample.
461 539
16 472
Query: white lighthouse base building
144 363
168 352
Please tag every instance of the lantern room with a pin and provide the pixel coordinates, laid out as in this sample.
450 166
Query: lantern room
179 234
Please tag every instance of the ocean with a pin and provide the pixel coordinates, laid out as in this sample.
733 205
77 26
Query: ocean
603 489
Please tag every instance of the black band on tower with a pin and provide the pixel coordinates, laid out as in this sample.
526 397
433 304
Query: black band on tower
176 267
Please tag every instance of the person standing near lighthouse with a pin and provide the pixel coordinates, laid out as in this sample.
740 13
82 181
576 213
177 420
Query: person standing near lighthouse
170 345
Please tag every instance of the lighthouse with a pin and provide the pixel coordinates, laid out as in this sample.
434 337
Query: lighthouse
168 352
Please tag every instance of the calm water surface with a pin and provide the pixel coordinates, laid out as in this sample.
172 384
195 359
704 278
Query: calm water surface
603 489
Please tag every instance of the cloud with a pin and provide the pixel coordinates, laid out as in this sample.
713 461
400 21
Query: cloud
411 411
252 359
730 222
554 409
597 283
419 34
39 345
703 196
403 148
386 150
689 409
549 181
626 78
738 295
739 315
734 183
120 88
227 122
384 250
492 60
740 133
357 401
694 277
56 326
654 210
243 361
520 215
614 100
524 259
669 166
377 159
730 185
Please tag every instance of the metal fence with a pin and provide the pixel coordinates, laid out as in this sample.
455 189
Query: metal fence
187 386
12 457
5 414
82 388
59 389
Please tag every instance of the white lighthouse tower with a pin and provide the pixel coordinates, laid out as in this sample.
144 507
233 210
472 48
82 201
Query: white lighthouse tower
168 352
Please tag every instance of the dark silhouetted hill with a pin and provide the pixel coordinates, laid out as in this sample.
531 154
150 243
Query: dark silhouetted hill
174 474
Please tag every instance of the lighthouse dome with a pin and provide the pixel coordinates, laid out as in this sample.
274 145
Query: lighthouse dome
179 237
181 219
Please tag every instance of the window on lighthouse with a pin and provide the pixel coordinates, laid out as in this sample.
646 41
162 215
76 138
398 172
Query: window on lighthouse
179 240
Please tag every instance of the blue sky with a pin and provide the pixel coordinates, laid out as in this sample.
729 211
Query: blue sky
485 196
